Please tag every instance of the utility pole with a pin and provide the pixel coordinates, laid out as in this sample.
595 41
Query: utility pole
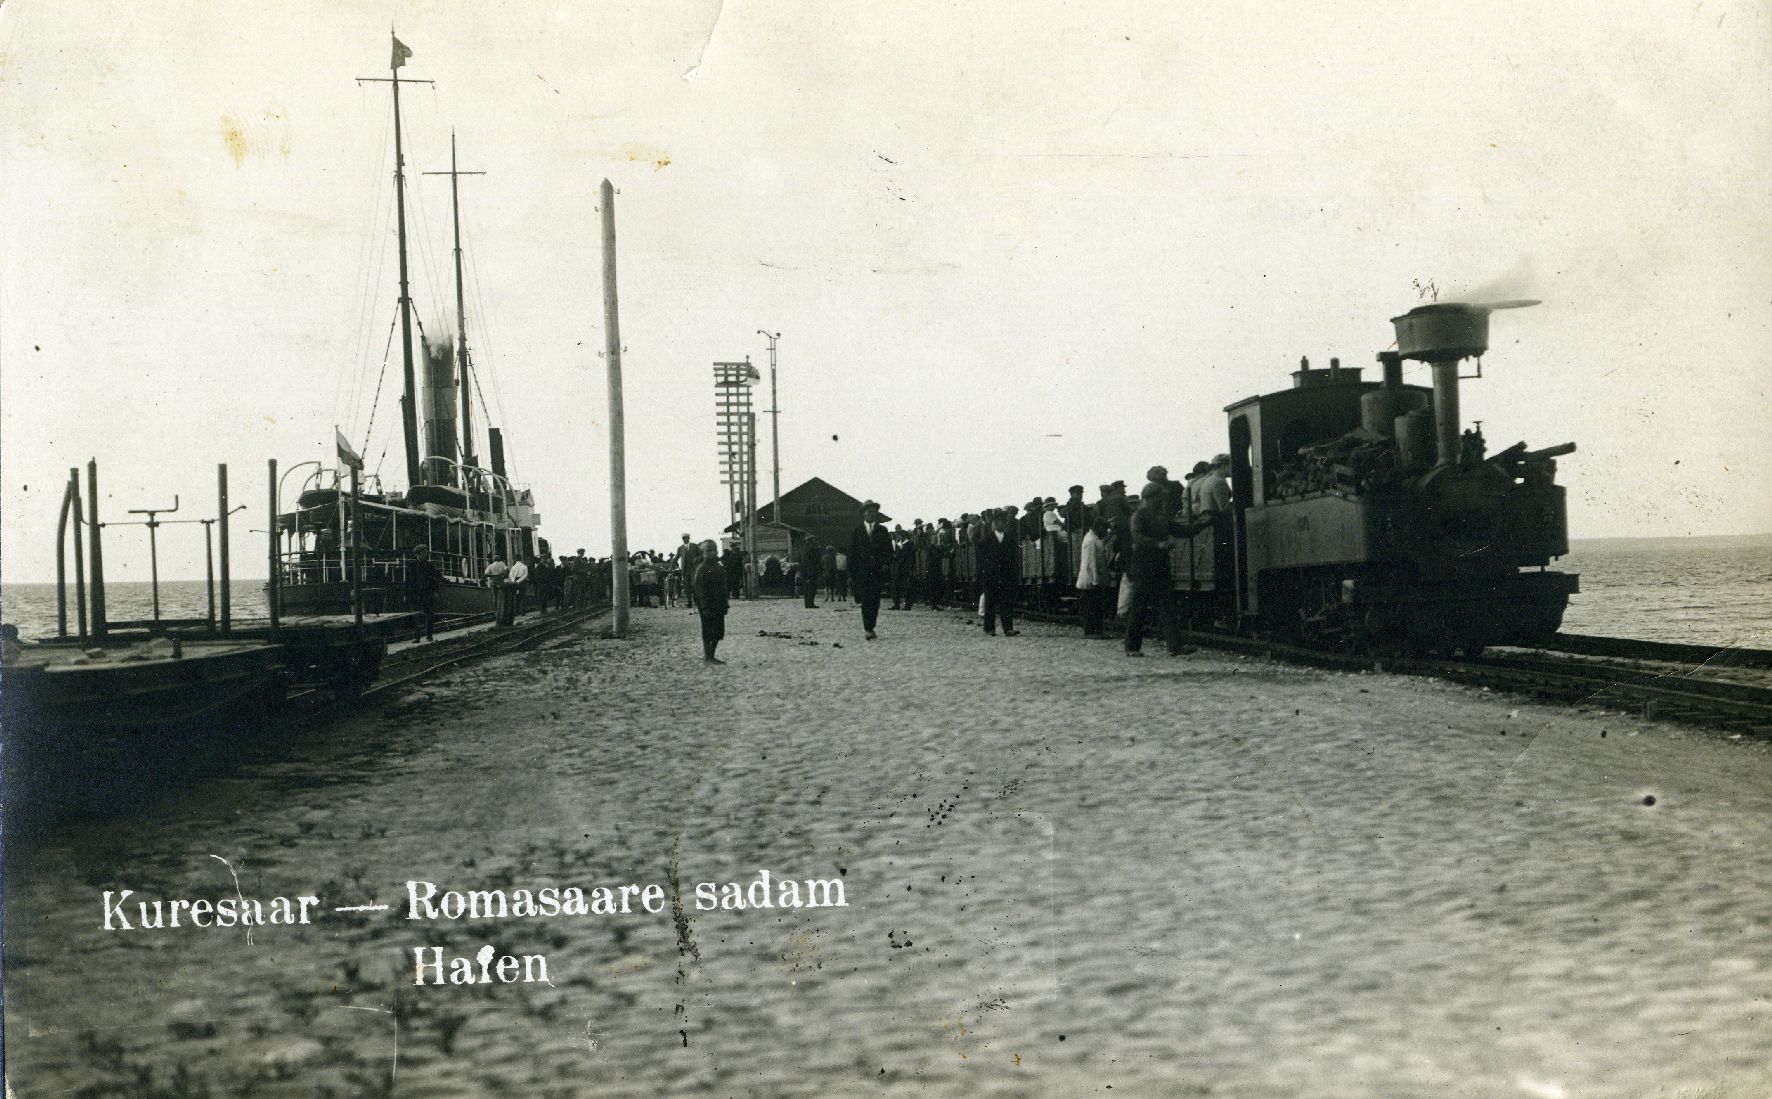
222 512
750 526
618 501
774 424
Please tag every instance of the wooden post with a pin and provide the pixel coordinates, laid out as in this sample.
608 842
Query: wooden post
97 553
356 556
61 559
275 574
618 503
79 556
209 567
227 600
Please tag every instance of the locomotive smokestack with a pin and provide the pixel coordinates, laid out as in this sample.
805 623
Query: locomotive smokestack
1392 364
1442 334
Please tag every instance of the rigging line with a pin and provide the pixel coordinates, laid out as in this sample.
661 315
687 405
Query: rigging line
428 262
362 327
370 430
376 239
351 369
485 413
492 372
367 298
486 334
426 266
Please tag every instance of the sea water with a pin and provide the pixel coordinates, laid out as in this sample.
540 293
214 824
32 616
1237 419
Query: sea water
1712 591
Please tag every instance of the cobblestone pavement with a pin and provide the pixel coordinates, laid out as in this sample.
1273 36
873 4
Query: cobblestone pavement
1065 871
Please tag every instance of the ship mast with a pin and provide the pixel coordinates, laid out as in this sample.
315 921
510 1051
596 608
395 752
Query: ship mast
408 402
461 311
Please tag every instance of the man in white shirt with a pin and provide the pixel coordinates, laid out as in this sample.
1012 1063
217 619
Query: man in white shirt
496 574
516 582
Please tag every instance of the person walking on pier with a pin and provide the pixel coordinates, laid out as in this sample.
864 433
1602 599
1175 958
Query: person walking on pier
870 563
422 582
811 568
688 558
711 600
999 573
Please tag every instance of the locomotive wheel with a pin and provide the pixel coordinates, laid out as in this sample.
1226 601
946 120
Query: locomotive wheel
1322 619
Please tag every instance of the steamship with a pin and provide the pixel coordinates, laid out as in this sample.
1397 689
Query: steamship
466 514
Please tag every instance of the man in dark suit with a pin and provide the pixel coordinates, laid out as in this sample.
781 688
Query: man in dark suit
422 582
870 564
999 574
711 595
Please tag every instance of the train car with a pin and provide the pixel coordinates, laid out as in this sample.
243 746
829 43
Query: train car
1363 515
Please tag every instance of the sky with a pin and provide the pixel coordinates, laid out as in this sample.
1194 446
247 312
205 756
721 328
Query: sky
1009 246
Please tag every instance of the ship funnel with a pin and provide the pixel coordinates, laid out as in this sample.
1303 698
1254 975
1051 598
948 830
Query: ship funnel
439 410
495 441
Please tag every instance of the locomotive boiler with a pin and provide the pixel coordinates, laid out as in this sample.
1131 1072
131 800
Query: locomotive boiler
1364 514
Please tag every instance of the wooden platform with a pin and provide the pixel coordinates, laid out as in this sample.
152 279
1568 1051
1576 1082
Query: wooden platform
136 683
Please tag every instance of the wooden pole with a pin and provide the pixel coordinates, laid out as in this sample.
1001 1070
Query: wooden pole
97 553
750 512
356 556
209 566
618 501
271 527
61 559
227 587
79 557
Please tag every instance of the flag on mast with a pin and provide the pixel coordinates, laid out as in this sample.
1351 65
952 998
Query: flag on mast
345 454
401 53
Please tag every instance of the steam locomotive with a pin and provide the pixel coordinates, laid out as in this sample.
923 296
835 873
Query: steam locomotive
1362 515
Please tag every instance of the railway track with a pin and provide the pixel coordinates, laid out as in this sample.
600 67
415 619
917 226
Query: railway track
415 664
1629 682
488 643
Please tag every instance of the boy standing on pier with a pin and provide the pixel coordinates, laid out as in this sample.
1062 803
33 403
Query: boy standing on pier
709 585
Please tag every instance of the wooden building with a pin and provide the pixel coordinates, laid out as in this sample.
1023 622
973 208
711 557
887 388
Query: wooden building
814 507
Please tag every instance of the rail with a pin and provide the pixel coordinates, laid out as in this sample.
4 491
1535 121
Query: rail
1653 692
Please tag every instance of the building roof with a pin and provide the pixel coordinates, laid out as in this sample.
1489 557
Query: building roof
815 499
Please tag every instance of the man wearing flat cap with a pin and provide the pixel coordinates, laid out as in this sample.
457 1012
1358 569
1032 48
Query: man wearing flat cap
1213 489
870 564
